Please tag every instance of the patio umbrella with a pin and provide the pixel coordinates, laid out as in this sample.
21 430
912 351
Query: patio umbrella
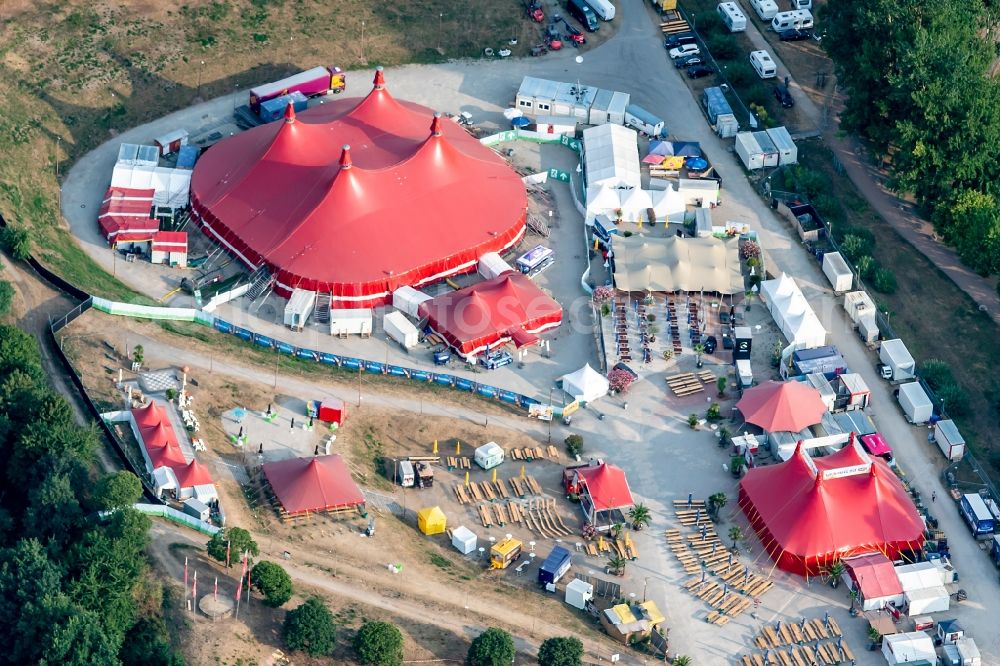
782 406
520 121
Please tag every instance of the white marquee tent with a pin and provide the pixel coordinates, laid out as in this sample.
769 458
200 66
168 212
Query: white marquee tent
585 384
911 647
611 156
790 310
922 588
171 186
633 202
678 264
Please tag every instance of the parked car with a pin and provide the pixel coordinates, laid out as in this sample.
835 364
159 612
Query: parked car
678 39
684 50
794 35
496 359
784 96
698 71
711 344
688 60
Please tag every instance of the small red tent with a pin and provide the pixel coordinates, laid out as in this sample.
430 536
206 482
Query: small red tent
309 485
508 307
782 406
810 513
332 411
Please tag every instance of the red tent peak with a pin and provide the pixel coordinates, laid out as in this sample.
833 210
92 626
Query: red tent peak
345 157
379 78
290 113
436 125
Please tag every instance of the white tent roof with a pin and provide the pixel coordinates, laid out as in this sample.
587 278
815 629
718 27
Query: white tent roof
601 199
917 576
678 264
634 204
171 186
668 203
790 310
611 156
492 265
912 646
585 384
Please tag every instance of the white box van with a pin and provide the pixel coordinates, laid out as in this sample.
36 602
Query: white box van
800 19
766 9
763 64
802 4
732 16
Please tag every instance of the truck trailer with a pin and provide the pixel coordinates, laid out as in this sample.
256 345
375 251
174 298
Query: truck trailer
311 83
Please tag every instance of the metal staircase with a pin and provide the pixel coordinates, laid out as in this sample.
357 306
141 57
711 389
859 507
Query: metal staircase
260 282
321 313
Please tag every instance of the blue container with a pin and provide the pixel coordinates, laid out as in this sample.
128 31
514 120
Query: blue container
555 566
273 109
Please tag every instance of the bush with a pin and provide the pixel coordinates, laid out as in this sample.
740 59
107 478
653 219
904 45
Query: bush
714 412
936 373
574 445
709 22
739 73
560 651
605 309
273 582
811 183
722 46
238 540
884 281
866 266
118 490
310 629
6 297
379 644
955 399
17 242
853 246
828 207
493 647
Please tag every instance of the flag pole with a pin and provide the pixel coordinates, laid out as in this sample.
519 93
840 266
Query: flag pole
185 581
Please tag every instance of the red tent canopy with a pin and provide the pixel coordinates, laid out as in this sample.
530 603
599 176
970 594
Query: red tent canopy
164 450
193 474
874 575
124 215
782 406
507 307
607 486
810 513
359 198
313 484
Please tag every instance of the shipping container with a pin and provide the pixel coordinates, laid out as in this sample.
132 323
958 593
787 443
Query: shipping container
274 109
749 151
977 516
350 321
299 307
720 114
555 566
788 152
171 142
399 328
916 405
949 439
837 272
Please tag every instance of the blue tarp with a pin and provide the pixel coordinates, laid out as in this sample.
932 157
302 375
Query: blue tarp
186 157
223 326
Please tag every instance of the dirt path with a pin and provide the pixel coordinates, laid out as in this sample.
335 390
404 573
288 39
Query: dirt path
468 617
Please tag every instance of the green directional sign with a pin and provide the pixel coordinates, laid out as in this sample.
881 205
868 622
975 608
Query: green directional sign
557 174
570 142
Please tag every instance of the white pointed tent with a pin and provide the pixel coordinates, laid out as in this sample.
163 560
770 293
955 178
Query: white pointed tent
668 204
635 202
586 384
611 156
790 310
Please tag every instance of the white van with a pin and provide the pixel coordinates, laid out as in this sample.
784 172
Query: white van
763 64
766 9
800 19
802 4
732 16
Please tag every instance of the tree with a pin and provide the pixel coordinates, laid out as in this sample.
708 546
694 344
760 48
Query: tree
273 582
493 647
78 639
53 510
379 644
574 445
239 541
19 351
640 516
138 354
121 489
310 629
17 241
681 660
6 297
721 383
560 651
736 534
148 644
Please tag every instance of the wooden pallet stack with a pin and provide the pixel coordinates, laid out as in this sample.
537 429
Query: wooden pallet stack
530 454
685 384
458 462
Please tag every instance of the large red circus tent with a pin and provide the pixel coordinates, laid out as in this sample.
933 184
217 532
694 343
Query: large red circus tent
358 198
510 307
811 512
782 406
311 485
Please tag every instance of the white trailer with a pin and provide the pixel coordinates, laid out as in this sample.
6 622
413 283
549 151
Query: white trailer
949 439
916 405
299 307
399 328
602 8
858 304
351 321
408 299
895 355
640 119
868 329
766 9
750 152
788 152
837 272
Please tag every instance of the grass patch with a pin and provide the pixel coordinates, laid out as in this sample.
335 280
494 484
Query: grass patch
440 561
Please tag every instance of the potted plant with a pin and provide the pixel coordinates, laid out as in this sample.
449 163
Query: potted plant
834 572
874 638
616 566
693 421
714 412
721 383
640 516
724 436
699 349
668 354
736 465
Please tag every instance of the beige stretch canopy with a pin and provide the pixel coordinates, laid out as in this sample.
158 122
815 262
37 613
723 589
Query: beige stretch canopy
678 264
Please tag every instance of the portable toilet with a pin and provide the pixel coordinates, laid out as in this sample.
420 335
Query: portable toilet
431 520
555 566
578 593
489 455
464 540
505 552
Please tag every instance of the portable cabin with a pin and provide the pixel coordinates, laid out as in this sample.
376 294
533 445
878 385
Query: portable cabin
720 113
399 328
642 120
171 142
555 125
555 566
424 474
464 540
169 247
768 149
749 151
404 473
197 509
489 455
852 392
917 407
578 593
505 552
299 307
350 321
949 439
868 329
837 272
857 304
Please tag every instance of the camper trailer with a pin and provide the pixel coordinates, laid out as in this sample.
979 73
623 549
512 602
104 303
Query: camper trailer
799 19
732 17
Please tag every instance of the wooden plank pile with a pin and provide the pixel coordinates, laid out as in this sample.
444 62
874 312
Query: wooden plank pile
685 384
458 462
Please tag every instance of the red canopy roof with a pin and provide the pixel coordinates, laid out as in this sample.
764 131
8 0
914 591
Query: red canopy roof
313 484
876 445
507 307
124 215
874 575
811 512
193 474
162 448
359 198
782 406
607 486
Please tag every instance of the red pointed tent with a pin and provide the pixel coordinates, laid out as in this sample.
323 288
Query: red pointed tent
782 406
508 307
607 486
162 448
412 201
309 485
193 474
810 512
